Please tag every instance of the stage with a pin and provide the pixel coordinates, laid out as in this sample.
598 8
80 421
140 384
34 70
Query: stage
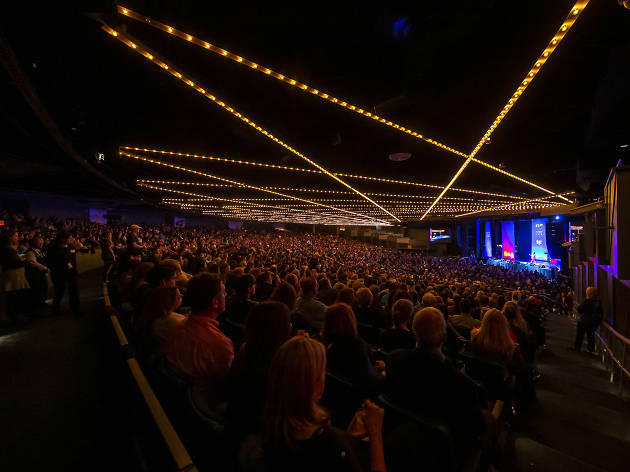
548 269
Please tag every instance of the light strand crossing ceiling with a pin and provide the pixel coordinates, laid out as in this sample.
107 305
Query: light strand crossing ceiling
361 209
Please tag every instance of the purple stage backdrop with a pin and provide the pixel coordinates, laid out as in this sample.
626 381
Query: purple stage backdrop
507 235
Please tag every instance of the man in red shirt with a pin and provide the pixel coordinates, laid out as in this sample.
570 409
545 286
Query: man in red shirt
198 350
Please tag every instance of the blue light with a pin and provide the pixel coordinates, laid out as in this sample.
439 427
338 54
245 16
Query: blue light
557 217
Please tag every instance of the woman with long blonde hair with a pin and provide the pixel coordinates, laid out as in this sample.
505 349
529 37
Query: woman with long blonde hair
296 431
493 337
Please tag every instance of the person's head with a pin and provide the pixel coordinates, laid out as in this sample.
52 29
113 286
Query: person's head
295 385
135 229
36 242
429 300
512 313
8 238
364 297
345 295
483 300
401 312
430 328
493 335
140 274
339 323
160 302
464 306
309 286
592 293
268 325
245 286
206 292
293 281
163 275
284 293
324 284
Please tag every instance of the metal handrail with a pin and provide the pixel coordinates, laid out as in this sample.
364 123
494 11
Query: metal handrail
177 449
616 333
607 349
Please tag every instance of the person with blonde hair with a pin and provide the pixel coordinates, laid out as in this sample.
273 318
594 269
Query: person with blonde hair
296 431
492 339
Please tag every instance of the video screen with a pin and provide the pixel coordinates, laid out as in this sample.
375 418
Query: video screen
439 234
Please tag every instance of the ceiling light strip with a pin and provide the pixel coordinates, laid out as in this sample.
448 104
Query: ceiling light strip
525 204
300 169
288 80
461 169
181 192
140 49
564 28
233 182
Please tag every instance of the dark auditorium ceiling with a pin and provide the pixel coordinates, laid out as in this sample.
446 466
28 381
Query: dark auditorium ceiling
444 69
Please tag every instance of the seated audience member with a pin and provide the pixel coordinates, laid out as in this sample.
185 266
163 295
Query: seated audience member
268 326
138 286
264 286
198 350
366 312
520 332
400 336
241 303
294 282
429 300
345 295
308 306
296 431
425 381
492 339
326 294
483 301
348 354
464 322
158 320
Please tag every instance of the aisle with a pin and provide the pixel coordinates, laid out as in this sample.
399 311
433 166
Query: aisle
56 400
580 423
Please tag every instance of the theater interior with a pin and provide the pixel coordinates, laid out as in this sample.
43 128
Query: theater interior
432 194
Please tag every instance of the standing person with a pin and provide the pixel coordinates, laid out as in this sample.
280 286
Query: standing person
13 283
591 316
134 243
37 272
107 252
62 260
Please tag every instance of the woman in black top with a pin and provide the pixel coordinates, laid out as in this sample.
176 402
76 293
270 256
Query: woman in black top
267 327
348 355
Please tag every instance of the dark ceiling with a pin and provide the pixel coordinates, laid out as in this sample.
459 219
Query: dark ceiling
442 68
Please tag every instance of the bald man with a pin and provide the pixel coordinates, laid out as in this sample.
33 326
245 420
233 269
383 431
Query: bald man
425 381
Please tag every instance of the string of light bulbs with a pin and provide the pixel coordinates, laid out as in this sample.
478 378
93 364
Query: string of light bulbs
508 206
313 171
568 22
306 88
182 192
144 51
233 182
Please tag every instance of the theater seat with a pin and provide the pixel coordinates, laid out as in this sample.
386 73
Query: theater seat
414 442
493 375
341 398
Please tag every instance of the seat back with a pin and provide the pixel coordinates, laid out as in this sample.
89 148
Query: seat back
369 333
416 442
341 398
493 375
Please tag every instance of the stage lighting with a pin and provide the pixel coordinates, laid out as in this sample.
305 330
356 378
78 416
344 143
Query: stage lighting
557 217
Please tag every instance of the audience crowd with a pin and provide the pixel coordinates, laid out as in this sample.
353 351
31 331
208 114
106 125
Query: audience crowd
307 351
